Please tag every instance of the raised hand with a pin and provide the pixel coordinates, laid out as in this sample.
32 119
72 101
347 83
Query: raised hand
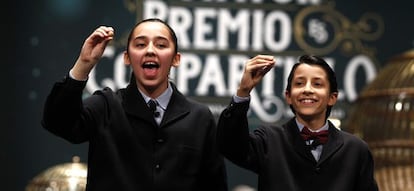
254 70
92 51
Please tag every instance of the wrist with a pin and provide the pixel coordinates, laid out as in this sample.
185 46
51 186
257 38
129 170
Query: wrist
243 92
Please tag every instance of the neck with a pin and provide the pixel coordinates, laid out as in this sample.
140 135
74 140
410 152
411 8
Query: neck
311 122
153 91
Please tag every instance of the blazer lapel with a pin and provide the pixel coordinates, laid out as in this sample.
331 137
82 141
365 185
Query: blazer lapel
134 103
298 144
177 107
335 142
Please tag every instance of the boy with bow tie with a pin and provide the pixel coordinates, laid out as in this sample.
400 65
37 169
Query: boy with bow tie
307 152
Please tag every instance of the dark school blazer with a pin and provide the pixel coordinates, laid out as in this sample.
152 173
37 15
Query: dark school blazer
282 161
128 151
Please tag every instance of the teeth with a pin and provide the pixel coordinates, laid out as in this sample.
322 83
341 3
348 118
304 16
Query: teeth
150 65
307 101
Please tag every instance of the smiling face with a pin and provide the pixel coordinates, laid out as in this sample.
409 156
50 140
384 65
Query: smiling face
309 94
151 54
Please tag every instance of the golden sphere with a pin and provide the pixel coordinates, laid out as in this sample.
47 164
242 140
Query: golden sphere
62 177
383 115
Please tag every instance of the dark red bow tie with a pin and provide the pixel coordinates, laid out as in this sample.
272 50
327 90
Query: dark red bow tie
318 138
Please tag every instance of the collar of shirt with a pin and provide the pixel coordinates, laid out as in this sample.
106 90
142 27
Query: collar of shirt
163 99
318 151
300 126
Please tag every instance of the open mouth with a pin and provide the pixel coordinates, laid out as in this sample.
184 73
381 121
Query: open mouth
150 69
150 65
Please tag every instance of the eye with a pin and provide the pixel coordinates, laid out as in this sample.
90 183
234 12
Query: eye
298 83
318 83
161 44
140 45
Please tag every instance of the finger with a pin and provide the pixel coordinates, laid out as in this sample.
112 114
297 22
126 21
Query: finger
262 65
266 57
105 32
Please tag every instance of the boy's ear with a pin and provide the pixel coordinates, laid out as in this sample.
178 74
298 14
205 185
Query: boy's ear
287 97
333 98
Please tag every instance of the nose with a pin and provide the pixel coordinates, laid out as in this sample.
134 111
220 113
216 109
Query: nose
150 48
308 88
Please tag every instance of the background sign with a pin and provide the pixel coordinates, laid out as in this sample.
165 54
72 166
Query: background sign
215 37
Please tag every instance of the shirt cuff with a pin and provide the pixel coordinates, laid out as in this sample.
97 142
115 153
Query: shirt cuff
71 76
238 99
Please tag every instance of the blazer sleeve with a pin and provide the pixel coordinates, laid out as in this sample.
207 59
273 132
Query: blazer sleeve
366 180
233 135
62 110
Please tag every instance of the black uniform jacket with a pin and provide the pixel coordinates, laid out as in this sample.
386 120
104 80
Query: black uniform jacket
282 161
128 151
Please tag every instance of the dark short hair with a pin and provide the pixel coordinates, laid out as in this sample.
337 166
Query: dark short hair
172 33
314 60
